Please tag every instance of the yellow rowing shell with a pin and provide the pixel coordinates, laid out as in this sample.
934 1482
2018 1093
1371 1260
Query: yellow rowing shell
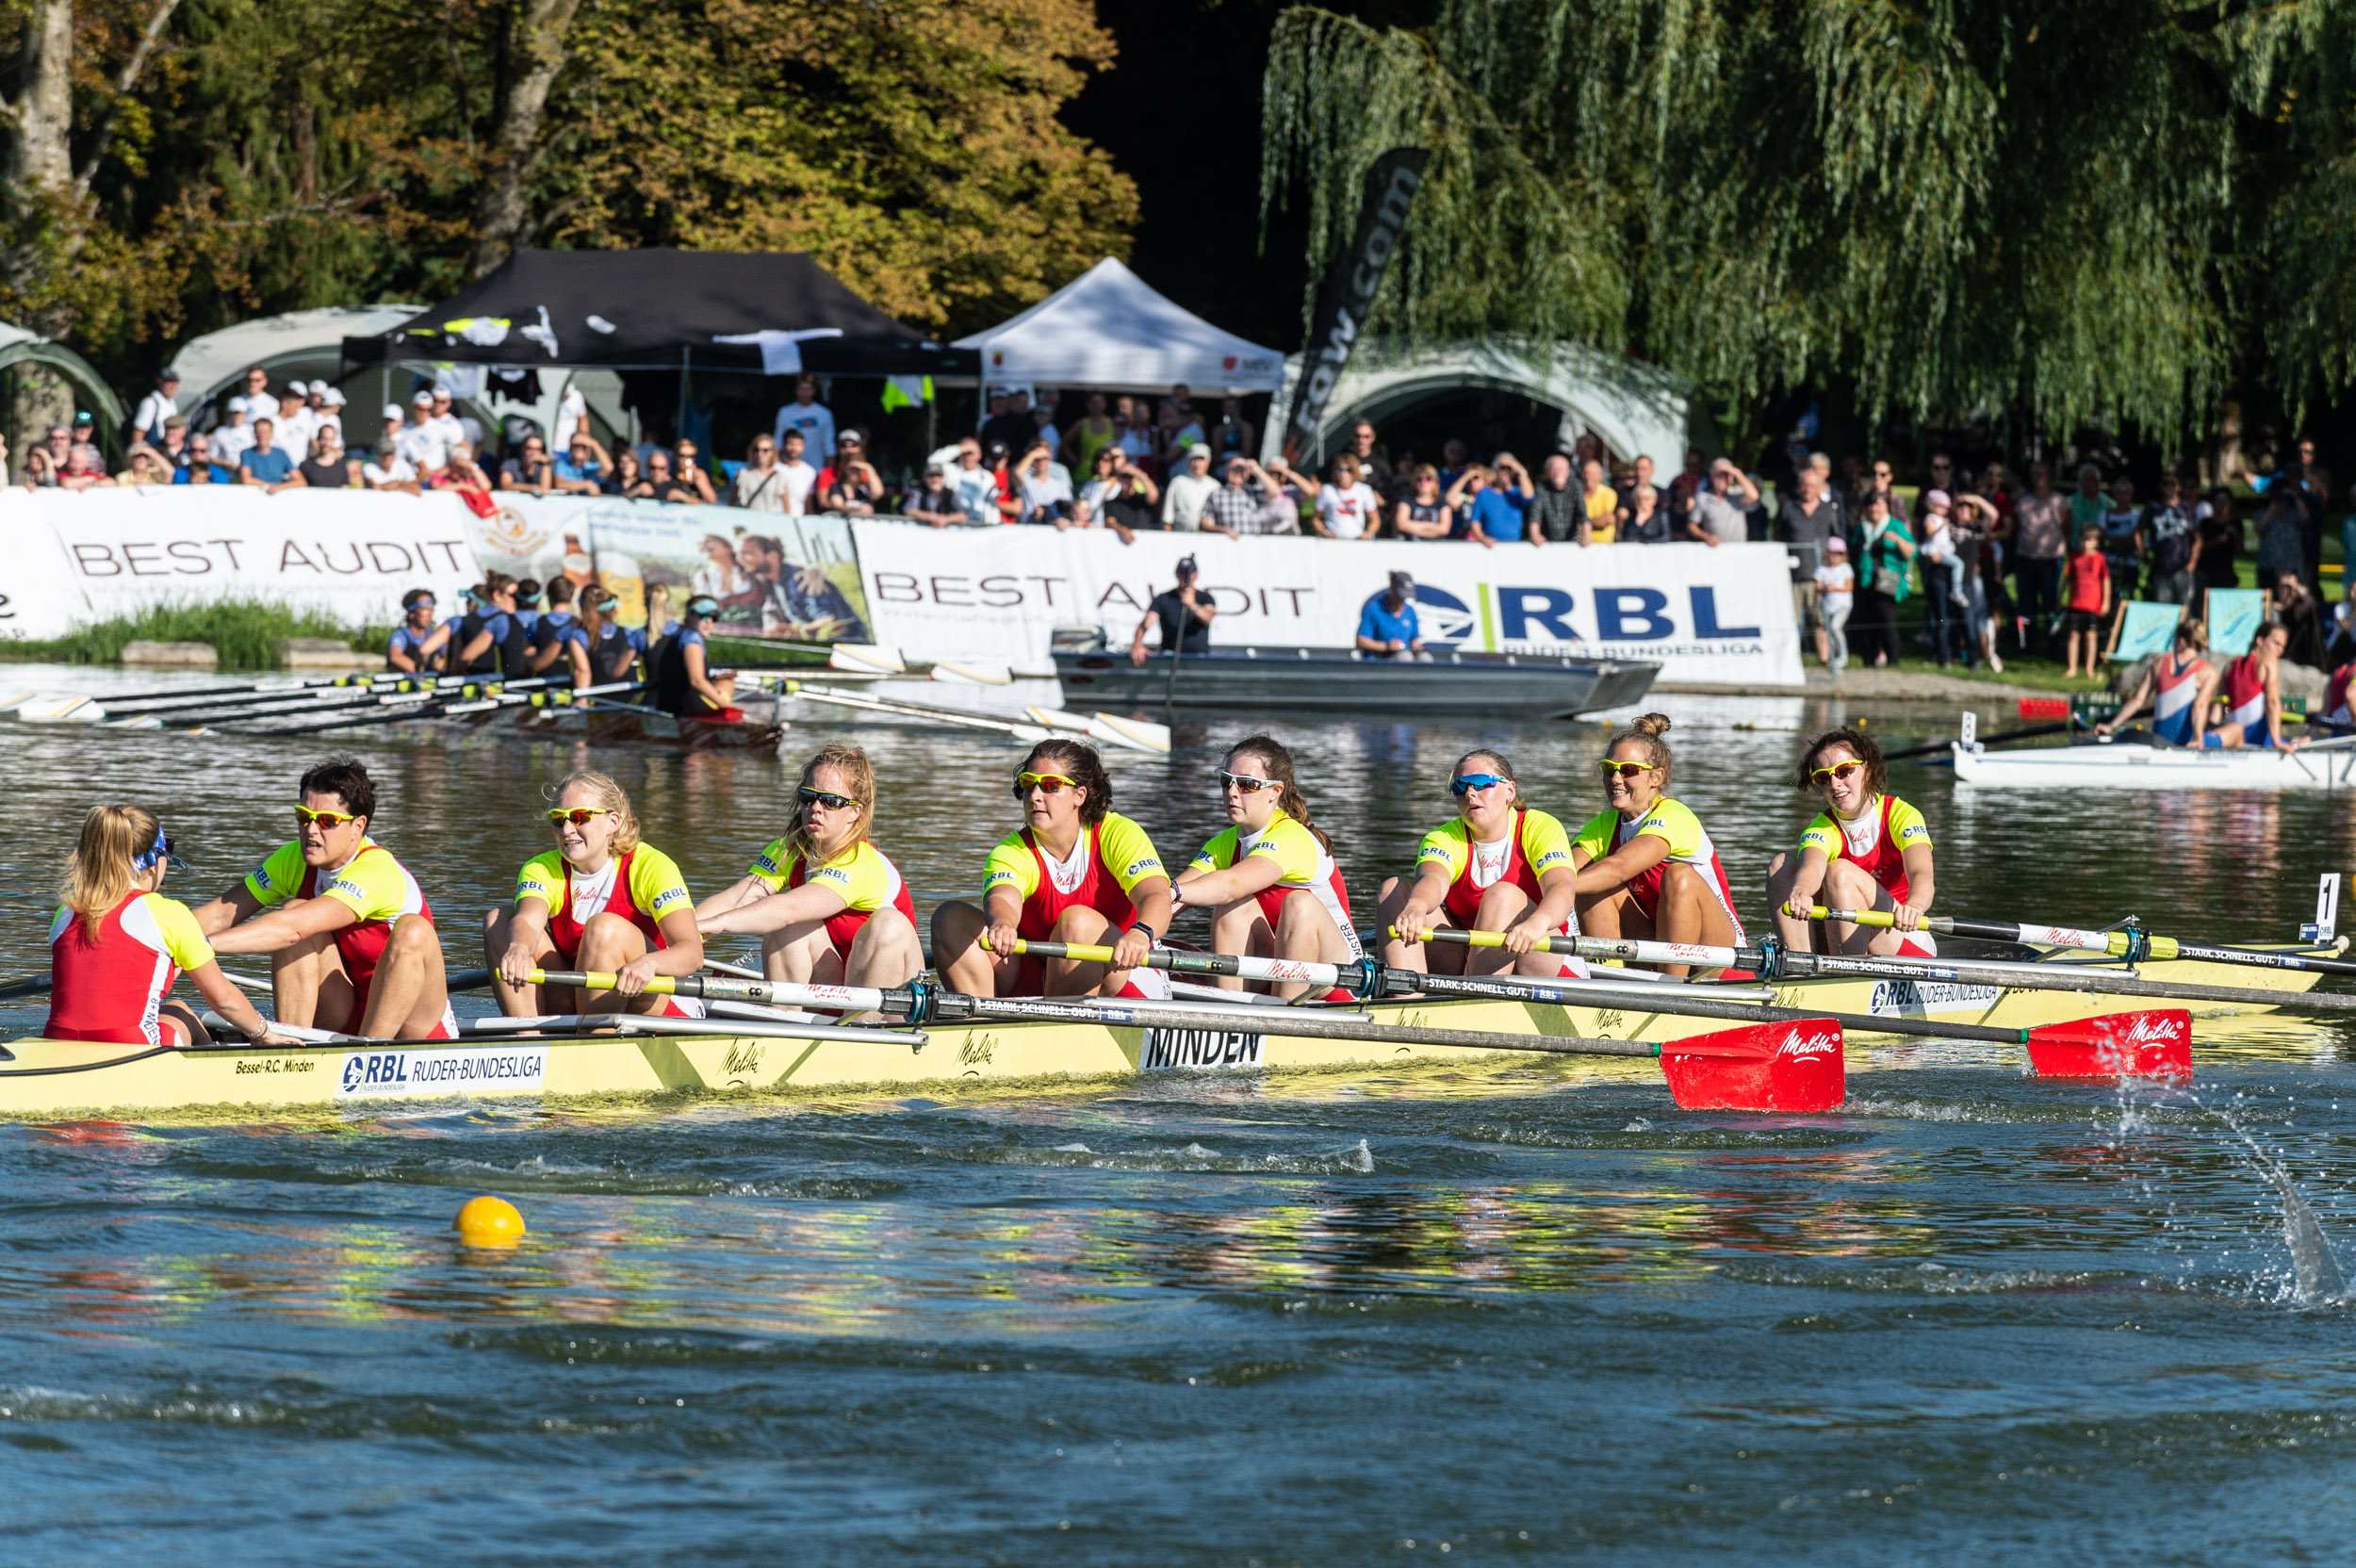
56 1078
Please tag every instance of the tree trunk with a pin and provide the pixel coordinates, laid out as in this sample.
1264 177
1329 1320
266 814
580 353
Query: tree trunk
41 156
535 54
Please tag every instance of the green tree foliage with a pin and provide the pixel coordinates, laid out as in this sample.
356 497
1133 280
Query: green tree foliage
2073 208
271 157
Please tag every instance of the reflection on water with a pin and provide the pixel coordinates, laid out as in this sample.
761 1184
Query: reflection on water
1292 1319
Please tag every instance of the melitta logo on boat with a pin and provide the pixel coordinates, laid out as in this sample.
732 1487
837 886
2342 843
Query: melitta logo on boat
1168 1048
1801 1043
482 1069
1904 998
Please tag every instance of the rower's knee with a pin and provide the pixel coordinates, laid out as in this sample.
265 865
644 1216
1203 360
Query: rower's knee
608 941
1499 907
1082 926
1780 872
1850 887
956 924
1393 892
414 936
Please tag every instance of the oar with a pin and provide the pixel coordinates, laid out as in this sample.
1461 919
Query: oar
30 985
1770 960
1779 1068
2136 946
1942 747
2137 1045
912 710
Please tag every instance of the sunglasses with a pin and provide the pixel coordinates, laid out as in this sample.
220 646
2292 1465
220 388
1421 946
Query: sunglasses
1047 783
1472 781
1244 781
1625 770
1838 770
826 798
305 817
159 851
580 816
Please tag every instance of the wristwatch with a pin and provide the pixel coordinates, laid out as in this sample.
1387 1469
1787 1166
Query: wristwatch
1151 935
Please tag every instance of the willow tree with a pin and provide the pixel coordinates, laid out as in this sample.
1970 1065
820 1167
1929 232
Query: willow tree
1950 204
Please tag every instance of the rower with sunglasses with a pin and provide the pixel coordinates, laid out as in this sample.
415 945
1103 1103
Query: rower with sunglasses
1075 871
1269 880
1499 866
681 676
601 901
1647 869
1868 850
829 907
117 944
350 935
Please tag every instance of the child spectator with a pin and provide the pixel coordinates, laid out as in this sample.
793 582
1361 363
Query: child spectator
2086 601
1836 584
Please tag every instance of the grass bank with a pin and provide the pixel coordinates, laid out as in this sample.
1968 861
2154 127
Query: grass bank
245 633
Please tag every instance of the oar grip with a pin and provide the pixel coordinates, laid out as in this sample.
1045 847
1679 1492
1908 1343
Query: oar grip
591 980
1855 916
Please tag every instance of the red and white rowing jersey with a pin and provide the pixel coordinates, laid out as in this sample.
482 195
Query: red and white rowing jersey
1304 866
112 985
1877 840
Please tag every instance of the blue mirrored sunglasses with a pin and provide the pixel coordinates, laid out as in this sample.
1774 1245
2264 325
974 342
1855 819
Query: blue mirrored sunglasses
1472 781
159 850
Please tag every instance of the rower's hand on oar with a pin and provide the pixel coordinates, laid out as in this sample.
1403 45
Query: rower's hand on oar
631 979
1906 918
1412 923
1130 950
271 1036
1001 939
517 964
1526 937
1800 906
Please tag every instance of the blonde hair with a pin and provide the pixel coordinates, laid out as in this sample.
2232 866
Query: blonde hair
1504 770
98 873
606 792
1647 732
858 774
1279 763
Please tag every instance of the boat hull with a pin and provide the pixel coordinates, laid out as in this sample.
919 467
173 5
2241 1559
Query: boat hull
620 725
59 1078
2135 767
1334 680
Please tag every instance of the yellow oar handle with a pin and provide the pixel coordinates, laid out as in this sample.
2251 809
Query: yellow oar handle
661 985
1856 917
1079 953
1483 939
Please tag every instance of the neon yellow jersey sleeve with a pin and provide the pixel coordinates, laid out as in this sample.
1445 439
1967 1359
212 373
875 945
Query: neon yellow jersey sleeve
1294 849
546 879
1219 854
863 878
371 886
1907 826
770 868
1129 854
1545 844
1823 837
278 879
184 942
656 886
1011 865
1673 820
1595 837
1445 846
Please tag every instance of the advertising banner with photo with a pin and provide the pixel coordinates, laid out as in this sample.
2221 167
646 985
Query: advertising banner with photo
1703 614
795 579
86 556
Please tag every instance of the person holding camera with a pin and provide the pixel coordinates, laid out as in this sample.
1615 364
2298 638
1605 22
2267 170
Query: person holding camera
1122 496
1043 494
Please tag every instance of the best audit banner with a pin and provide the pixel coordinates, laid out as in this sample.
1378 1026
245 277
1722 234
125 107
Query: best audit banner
1703 614
74 557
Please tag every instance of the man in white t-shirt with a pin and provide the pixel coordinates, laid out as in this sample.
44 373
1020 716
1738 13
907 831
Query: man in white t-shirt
977 485
156 407
1347 508
422 442
800 478
1186 493
232 440
256 402
452 429
292 421
806 414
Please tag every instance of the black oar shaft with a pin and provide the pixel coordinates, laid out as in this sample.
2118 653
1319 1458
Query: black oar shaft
1680 1002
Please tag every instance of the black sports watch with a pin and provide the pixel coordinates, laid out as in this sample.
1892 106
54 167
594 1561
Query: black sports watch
1151 935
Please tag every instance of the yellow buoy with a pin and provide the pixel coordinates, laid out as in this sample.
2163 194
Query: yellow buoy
489 1222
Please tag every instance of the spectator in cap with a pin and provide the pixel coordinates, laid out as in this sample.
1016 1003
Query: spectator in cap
1189 491
1185 614
179 454
161 404
424 441
936 505
1387 627
976 485
392 423
453 429
229 445
293 419
850 483
391 470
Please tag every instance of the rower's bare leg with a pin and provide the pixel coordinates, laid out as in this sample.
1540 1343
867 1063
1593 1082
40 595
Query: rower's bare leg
178 1025
1502 909
1240 930
797 953
411 991
608 942
1306 933
1691 913
1612 915
964 964
1397 953
1848 886
1794 933
2231 737
525 1001
885 952
308 985
1083 927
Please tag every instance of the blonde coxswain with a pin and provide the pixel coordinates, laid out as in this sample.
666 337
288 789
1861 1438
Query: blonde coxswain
1501 865
1268 880
602 900
1867 850
829 907
1647 869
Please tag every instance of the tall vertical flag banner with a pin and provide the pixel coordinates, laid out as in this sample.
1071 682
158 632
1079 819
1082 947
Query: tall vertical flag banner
1351 285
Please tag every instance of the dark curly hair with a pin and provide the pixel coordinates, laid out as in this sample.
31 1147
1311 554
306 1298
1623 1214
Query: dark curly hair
1083 767
1859 743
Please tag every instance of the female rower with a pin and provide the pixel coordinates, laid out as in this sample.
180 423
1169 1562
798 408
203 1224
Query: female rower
1269 881
1869 850
2178 686
614 648
2254 695
600 901
1075 871
417 642
1647 868
117 944
1500 866
828 908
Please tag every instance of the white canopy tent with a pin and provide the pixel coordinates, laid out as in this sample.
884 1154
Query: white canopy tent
300 340
1107 328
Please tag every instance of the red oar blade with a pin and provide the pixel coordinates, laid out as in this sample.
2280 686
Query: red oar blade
1764 1067
2155 1044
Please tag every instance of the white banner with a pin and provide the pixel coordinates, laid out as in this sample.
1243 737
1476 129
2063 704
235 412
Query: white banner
1704 614
79 557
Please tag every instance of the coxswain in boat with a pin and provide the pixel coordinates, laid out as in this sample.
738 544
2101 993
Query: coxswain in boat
1868 850
614 649
681 678
1647 869
2254 695
349 933
1075 871
1502 865
600 901
1269 881
2178 686
829 907
559 642
117 944
493 638
417 643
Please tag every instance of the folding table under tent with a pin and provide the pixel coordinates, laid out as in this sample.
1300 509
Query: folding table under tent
1108 329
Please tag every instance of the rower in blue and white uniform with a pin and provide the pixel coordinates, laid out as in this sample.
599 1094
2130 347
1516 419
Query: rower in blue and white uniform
417 642
2178 686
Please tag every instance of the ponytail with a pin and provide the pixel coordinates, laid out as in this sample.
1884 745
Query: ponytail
100 870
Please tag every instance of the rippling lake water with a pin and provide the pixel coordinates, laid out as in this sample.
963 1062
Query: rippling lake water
1479 1314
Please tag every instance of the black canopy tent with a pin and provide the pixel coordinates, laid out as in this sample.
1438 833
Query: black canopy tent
663 310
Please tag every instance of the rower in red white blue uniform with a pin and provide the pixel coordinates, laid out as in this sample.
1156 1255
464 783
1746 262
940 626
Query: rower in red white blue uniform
2178 687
